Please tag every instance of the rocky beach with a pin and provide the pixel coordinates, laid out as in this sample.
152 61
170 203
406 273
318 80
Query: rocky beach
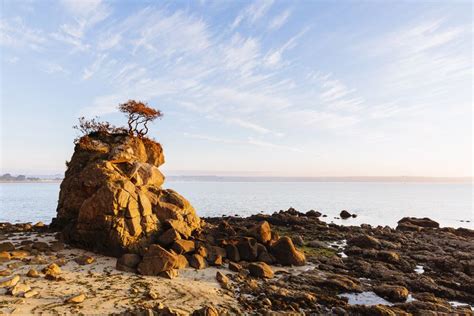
122 244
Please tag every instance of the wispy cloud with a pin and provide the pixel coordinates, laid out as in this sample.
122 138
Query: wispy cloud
249 141
85 14
252 13
16 34
279 20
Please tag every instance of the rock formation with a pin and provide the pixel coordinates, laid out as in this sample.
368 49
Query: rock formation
111 199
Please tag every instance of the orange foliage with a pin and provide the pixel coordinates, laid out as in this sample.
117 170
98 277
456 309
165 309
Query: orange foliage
139 115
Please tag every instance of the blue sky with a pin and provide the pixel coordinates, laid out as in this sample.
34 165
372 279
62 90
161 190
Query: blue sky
284 88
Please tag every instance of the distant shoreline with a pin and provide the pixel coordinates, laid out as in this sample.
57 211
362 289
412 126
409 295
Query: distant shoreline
210 178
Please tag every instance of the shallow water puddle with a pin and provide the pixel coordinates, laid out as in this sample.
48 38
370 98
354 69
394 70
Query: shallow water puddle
419 269
457 304
339 245
365 298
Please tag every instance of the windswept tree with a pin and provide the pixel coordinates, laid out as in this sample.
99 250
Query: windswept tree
139 114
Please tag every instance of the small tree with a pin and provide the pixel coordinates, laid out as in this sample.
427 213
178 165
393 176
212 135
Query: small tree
139 115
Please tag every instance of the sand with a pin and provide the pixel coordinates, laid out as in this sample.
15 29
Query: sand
108 290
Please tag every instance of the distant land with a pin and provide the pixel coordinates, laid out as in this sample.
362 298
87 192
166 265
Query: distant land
7 177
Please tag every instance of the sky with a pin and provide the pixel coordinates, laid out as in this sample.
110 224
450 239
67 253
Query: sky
271 88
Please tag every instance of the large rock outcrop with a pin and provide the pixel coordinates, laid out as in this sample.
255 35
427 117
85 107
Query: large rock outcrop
111 198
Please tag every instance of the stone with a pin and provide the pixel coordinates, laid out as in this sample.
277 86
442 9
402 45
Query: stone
234 266
202 251
285 252
19 254
33 273
420 222
232 253
313 213
128 262
183 246
364 241
223 280
5 272
260 270
169 274
5 256
31 293
198 262
6 246
156 260
344 214
84 260
169 237
111 200
298 240
182 262
76 299
56 246
9 281
19 289
41 246
247 247
53 268
393 293
206 311
261 231
215 260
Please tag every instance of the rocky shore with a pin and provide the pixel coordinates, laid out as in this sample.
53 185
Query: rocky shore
123 244
415 269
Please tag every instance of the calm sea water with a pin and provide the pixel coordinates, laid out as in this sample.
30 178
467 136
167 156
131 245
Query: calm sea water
375 203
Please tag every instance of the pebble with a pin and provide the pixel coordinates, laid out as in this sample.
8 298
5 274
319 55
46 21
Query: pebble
76 299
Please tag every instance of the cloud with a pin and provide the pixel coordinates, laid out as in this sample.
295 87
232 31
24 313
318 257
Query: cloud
279 20
15 34
85 14
249 141
252 13
53 68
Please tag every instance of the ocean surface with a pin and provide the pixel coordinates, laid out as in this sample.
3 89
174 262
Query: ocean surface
376 203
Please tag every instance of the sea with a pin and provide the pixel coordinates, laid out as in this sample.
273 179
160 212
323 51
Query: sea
375 203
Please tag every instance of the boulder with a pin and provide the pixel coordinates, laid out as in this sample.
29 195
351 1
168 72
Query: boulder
232 253
420 222
313 213
198 262
285 252
364 241
111 200
235 267
344 214
261 232
247 247
183 246
169 237
6 246
260 270
156 260
393 293
128 262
